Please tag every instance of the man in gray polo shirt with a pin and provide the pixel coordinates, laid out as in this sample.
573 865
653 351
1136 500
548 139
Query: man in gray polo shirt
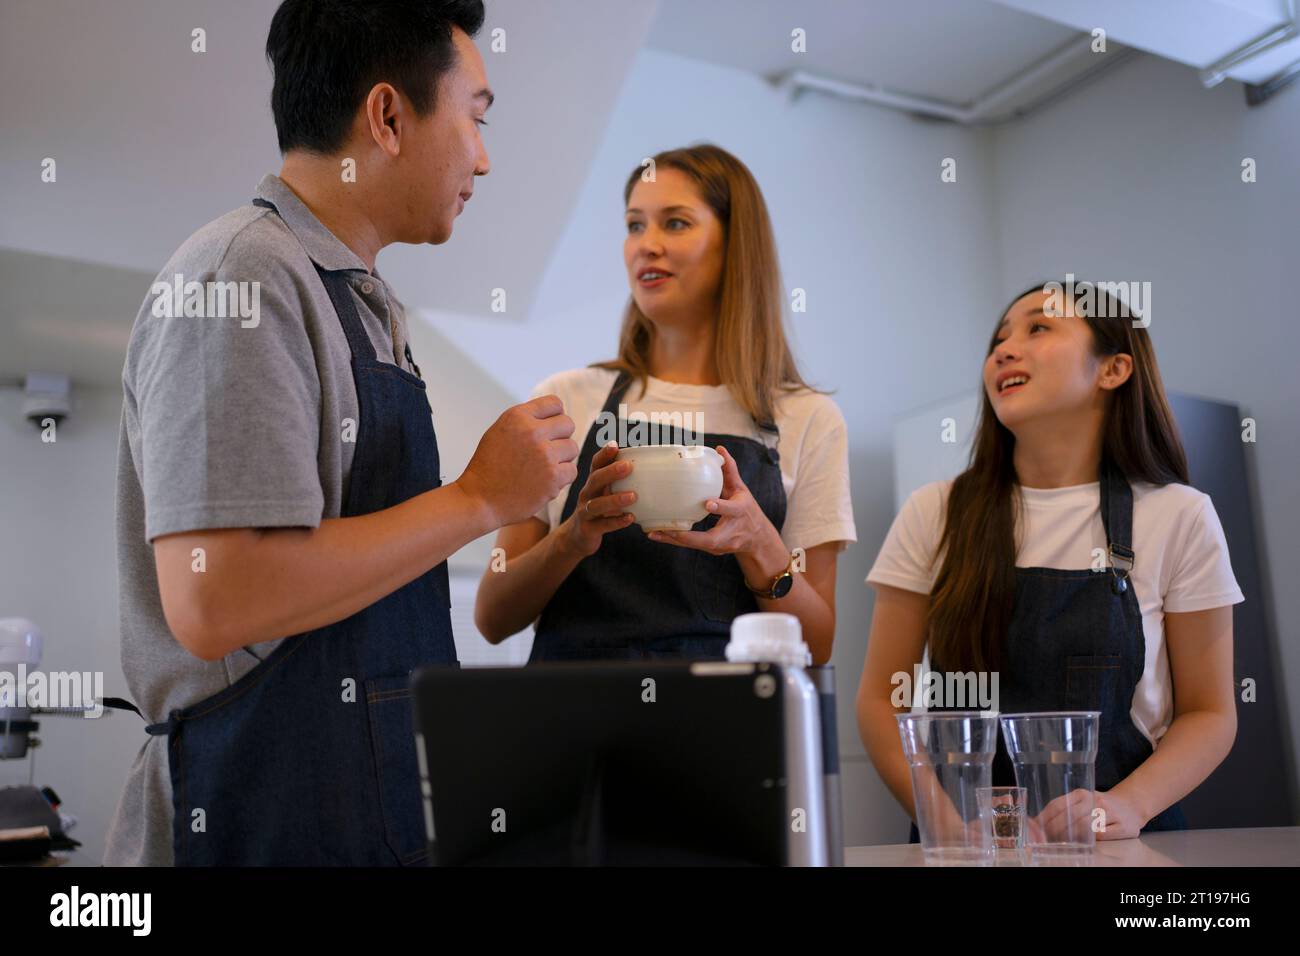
260 571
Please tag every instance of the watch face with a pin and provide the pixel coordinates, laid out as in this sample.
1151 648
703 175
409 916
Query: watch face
783 585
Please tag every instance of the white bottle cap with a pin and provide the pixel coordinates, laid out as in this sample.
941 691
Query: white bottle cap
770 637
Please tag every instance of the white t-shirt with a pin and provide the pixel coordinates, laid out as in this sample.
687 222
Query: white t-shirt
813 443
1182 561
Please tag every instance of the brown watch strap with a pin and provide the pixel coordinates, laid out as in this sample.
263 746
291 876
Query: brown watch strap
769 591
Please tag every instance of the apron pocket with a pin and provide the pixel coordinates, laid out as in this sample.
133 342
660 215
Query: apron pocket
719 586
1090 682
392 741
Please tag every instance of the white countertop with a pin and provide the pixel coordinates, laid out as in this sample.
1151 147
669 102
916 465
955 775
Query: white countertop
1263 846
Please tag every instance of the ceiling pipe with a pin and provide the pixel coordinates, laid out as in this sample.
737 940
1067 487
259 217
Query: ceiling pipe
1217 72
982 110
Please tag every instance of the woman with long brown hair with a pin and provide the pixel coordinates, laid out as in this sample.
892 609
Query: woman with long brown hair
703 344
1072 559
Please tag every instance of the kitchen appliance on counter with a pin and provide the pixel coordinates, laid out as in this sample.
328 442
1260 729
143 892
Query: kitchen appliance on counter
30 824
20 652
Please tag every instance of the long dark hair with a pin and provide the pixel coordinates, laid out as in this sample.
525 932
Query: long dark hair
974 593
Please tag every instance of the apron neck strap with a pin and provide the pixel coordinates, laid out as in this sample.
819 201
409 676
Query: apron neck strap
340 293
1117 513
621 383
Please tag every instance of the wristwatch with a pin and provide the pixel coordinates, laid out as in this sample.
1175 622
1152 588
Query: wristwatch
781 584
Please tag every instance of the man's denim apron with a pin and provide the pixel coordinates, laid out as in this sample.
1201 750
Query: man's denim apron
638 599
309 759
1076 643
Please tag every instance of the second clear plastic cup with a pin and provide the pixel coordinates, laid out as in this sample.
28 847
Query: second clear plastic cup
1055 757
951 758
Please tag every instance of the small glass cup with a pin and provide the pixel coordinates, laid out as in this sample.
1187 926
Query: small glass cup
1006 807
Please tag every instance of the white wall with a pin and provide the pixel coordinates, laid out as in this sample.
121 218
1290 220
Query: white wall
1139 178
58 567
899 270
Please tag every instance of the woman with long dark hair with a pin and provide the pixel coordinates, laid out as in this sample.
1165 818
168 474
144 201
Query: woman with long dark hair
1073 559
703 343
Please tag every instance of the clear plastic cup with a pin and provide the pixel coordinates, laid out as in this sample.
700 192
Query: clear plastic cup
951 758
1055 758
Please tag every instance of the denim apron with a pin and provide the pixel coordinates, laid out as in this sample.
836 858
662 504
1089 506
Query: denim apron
309 759
1076 643
637 599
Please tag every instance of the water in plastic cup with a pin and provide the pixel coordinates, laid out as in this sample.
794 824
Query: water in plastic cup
950 754
1055 757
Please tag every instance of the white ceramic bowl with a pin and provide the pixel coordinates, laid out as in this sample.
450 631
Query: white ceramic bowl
671 482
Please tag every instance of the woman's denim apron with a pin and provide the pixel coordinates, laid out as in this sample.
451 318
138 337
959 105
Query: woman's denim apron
639 599
1076 643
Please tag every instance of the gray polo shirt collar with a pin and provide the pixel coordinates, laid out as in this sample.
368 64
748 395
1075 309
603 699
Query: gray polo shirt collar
324 248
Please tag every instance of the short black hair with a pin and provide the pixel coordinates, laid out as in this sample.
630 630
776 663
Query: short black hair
326 55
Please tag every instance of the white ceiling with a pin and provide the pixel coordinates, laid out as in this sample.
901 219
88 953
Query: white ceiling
944 49
1194 32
